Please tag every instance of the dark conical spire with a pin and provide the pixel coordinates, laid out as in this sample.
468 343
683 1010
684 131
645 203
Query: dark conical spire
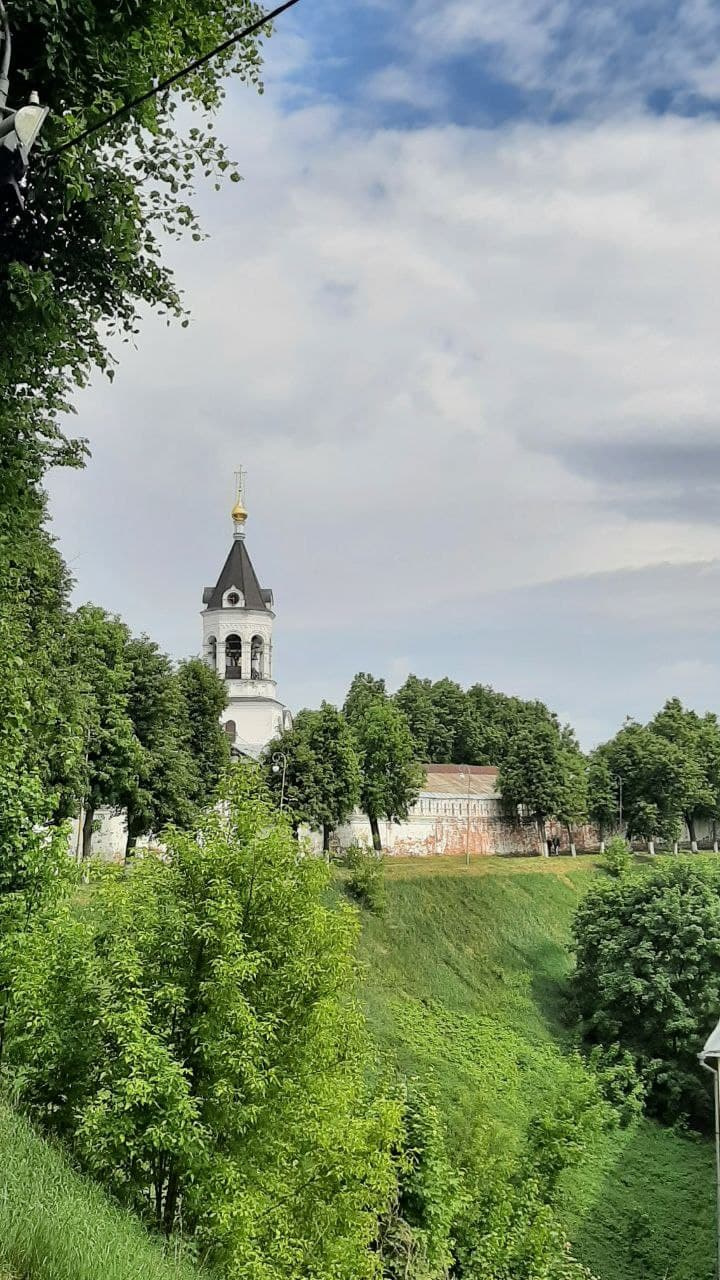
238 572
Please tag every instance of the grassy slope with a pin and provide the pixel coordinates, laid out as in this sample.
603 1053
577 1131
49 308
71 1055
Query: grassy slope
56 1226
465 981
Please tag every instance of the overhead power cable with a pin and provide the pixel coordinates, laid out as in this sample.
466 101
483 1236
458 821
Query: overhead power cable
170 80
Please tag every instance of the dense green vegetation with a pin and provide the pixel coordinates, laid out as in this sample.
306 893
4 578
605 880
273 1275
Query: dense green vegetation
55 1225
465 985
667 772
648 977
192 1037
191 1034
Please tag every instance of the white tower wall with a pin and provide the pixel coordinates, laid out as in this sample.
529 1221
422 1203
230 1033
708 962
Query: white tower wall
237 642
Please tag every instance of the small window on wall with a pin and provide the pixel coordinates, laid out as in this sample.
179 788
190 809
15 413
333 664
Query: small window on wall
230 730
233 598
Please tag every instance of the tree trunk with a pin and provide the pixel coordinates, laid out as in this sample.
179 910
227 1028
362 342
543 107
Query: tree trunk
651 847
130 843
326 840
87 831
171 1199
692 831
375 829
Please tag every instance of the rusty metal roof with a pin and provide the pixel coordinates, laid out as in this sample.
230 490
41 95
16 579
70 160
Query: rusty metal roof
456 779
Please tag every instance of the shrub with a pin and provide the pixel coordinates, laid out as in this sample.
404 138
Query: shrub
648 977
617 859
365 883
414 1237
619 1081
496 1218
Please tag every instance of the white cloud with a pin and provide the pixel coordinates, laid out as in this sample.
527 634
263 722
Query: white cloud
400 335
604 53
402 85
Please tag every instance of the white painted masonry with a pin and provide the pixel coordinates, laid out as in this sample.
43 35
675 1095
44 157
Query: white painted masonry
237 641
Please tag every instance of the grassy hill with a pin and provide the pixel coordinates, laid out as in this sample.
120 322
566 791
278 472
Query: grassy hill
465 985
56 1226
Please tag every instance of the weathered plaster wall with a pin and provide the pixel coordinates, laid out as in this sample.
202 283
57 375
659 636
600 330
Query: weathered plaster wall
110 838
426 835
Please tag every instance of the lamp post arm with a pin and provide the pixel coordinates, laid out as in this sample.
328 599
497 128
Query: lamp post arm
6 55
715 1073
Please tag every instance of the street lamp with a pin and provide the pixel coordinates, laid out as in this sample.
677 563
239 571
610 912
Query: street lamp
279 762
618 780
710 1060
18 129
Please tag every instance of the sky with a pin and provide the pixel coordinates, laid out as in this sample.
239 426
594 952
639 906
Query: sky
460 324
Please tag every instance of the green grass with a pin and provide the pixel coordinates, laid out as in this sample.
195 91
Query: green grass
55 1225
465 985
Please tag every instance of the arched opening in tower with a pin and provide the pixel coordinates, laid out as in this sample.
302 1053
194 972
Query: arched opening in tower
233 658
257 653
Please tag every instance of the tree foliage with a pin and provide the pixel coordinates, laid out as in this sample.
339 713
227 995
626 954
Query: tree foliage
204 696
698 740
196 1040
660 782
495 1218
648 976
112 753
322 771
391 777
365 691
477 726
162 790
544 774
85 257
76 269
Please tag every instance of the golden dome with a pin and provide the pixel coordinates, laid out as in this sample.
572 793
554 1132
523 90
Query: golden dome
239 514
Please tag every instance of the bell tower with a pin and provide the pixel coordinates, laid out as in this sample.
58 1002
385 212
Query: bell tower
237 623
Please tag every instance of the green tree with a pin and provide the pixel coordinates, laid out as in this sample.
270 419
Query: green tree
41 751
449 706
98 646
196 1038
603 792
572 809
77 268
698 739
322 777
648 976
415 700
204 696
391 778
365 691
163 788
659 780
534 773
85 257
